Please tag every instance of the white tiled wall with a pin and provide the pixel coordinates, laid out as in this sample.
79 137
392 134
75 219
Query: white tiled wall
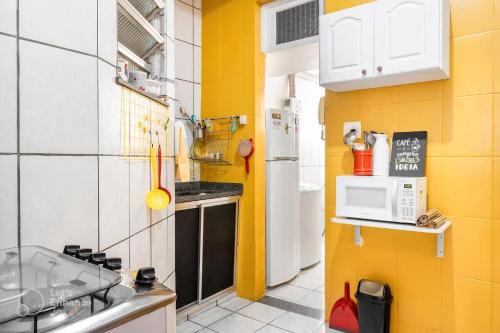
58 100
188 63
70 24
59 201
8 200
74 185
8 68
8 17
114 189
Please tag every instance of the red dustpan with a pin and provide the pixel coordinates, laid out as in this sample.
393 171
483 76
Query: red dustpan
344 316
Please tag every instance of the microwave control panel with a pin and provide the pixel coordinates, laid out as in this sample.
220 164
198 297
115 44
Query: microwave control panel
411 200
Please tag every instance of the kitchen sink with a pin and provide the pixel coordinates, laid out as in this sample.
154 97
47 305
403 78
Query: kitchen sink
197 192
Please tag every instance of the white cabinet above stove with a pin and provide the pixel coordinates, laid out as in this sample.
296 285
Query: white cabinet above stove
385 43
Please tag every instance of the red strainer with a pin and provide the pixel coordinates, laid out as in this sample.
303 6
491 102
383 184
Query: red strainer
246 149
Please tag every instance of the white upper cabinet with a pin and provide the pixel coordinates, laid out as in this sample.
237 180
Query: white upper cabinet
384 43
346 41
407 37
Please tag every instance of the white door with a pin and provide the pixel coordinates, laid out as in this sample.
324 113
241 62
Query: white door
407 35
346 44
282 261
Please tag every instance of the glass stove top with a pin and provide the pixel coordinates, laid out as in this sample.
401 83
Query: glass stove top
34 279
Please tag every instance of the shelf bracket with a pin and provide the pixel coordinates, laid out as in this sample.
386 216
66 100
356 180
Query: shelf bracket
358 239
440 245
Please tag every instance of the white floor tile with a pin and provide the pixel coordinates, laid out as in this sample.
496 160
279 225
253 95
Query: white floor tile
297 323
210 316
206 330
288 292
236 323
226 298
306 282
235 303
321 289
316 272
313 300
261 312
202 308
188 327
325 329
271 329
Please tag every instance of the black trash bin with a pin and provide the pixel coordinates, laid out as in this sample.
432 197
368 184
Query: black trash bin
374 306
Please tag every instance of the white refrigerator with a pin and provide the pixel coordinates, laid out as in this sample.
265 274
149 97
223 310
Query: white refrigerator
282 196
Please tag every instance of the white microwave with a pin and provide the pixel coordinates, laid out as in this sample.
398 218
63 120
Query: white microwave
392 199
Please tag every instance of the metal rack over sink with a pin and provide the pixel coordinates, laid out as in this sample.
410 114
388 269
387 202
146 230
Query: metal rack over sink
212 143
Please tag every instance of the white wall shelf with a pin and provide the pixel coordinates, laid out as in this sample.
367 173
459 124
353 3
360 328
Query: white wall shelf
358 238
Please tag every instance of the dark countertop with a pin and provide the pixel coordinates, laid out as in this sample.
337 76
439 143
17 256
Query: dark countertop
196 191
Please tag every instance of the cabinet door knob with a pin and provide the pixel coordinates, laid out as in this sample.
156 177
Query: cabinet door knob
380 68
364 72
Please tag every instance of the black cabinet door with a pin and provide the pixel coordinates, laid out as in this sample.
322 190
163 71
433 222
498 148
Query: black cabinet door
187 235
219 228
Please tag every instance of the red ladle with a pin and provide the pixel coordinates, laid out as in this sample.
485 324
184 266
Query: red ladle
246 149
159 176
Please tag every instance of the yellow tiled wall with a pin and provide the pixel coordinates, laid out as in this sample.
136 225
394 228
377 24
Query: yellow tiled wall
460 293
233 84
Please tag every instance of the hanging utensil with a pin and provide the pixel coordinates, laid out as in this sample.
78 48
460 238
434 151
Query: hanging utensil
159 176
234 124
370 139
156 198
246 149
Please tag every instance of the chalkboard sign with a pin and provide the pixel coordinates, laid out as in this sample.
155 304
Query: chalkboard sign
408 154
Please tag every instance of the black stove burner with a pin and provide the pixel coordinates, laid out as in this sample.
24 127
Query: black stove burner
83 254
70 250
113 264
97 258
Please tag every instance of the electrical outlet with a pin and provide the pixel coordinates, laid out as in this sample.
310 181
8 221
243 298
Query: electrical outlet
348 126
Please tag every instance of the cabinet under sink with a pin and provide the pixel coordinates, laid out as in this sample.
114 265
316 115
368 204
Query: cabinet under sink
205 249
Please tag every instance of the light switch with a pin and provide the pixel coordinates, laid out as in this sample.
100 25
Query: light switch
243 120
356 125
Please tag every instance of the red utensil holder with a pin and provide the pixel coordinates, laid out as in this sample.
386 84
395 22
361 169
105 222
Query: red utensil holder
363 163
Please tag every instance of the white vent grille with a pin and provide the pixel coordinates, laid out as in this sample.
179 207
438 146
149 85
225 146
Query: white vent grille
297 22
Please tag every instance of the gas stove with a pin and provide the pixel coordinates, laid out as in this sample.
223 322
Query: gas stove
75 291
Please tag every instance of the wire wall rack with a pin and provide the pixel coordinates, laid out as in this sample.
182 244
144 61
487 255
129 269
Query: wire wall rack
144 122
213 141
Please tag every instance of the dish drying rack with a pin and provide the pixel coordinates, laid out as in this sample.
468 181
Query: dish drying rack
213 140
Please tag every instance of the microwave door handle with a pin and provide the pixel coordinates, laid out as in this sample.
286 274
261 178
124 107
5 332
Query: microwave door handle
395 189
